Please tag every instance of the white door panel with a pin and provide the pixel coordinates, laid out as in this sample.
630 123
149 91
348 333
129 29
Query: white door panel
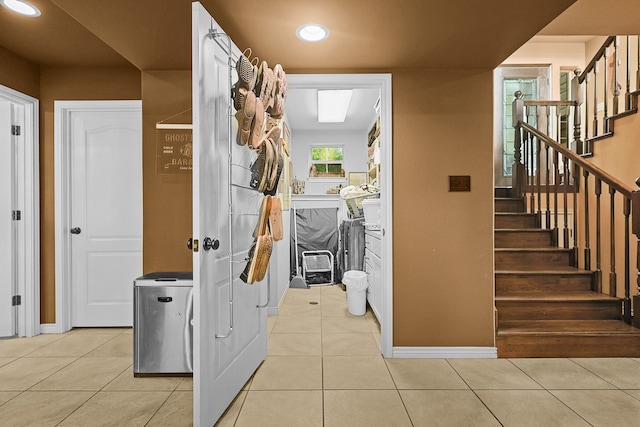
7 232
106 188
228 348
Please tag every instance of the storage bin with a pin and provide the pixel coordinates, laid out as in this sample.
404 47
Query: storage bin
354 204
371 208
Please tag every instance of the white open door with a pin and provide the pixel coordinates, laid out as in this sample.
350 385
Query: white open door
7 224
230 339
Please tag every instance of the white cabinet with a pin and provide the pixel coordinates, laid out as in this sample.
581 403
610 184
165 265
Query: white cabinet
373 268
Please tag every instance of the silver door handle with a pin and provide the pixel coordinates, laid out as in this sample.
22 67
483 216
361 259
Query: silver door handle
75 230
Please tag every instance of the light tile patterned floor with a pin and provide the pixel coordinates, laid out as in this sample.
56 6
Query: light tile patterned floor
323 368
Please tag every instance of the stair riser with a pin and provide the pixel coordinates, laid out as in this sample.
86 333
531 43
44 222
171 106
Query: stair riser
502 192
513 205
522 239
559 345
515 221
507 260
542 283
565 310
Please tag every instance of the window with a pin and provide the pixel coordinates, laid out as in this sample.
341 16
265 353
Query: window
326 162
529 89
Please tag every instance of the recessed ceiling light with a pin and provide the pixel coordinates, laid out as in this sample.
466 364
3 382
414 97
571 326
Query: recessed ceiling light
21 7
312 32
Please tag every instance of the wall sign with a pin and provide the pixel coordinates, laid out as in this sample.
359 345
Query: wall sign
174 151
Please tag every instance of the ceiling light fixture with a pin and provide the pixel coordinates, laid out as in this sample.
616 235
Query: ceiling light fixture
312 32
333 105
21 7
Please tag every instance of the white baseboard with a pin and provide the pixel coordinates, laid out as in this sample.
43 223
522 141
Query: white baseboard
50 328
445 352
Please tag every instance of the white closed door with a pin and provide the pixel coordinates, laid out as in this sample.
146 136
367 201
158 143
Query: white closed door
230 316
106 212
8 280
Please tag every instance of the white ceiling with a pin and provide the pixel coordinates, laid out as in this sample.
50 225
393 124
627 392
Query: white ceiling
302 111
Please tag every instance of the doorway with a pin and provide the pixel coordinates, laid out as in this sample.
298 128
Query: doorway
534 83
98 211
20 209
381 83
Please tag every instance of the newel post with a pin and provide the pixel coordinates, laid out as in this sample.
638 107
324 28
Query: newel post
635 229
517 170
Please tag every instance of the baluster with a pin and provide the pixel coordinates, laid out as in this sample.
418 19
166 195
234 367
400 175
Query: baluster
616 89
525 154
612 274
547 110
595 99
635 228
532 204
598 240
587 247
576 181
627 263
628 104
548 213
538 179
558 126
587 147
605 96
638 65
565 231
556 182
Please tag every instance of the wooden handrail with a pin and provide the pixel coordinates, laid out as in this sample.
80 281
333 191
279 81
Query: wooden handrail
599 54
550 103
586 165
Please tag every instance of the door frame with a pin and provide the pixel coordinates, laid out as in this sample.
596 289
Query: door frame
541 72
28 182
380 81
62 177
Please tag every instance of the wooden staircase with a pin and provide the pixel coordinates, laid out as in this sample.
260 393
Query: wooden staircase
545 306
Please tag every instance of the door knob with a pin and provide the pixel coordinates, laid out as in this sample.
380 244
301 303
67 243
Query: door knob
210 243
76 230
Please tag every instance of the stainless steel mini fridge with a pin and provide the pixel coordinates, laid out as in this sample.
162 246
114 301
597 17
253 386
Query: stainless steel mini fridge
162 324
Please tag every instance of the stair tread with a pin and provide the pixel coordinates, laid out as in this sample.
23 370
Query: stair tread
560 296
550 327
514 213
524 230
549 249
549 271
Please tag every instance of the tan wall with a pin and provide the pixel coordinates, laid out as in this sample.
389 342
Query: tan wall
617 156
443 245
19 74
167 199
68 84
443 242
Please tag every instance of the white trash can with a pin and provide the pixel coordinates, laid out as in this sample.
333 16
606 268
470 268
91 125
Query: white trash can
356 283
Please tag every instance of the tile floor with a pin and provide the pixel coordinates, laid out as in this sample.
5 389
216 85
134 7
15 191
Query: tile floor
323 368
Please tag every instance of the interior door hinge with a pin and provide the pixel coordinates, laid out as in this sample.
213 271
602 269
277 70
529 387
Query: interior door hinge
16 300
16 215
15 130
